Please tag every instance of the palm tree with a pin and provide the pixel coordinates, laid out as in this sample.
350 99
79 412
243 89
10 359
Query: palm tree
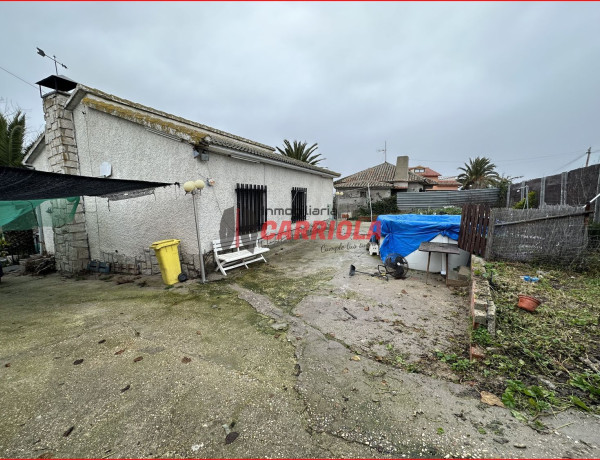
12 135
479 173
300 151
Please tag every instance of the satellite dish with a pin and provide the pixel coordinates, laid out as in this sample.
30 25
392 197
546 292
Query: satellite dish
106 169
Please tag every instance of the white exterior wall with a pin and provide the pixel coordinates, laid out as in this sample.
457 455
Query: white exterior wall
351 200
41 163
129 227
414 187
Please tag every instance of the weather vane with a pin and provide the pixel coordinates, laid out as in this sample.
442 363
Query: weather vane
53 58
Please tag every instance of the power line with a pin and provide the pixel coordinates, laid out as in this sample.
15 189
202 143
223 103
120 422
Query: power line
561 168
16 76
504 160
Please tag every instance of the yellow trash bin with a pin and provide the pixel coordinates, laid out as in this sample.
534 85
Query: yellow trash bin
167 254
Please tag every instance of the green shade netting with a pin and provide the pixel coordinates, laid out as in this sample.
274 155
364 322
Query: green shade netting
23 215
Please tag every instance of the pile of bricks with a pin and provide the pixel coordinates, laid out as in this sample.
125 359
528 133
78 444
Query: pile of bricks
483 310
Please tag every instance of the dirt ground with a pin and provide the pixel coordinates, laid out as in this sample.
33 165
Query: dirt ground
293 358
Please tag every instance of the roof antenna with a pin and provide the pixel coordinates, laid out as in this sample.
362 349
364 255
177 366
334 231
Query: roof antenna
384 150
53 58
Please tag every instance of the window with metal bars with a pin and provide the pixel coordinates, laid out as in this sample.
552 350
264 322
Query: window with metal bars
251 207
298 204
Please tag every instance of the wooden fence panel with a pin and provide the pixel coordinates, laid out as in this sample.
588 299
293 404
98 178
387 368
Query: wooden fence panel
474 225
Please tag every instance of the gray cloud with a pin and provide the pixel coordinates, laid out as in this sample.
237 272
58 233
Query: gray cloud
440 82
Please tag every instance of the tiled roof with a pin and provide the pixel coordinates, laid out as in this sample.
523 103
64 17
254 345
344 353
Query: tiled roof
363 184
377 176
418 178
448 182
428 171
383 173
218 137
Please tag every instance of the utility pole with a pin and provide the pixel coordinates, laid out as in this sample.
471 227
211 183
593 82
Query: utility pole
587 161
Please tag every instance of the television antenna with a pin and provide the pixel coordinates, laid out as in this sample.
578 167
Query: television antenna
53 58
384 150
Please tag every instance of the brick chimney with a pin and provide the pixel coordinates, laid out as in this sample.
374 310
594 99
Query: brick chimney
401 176
71 247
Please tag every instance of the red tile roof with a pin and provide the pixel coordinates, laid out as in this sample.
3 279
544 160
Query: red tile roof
428 171
380 176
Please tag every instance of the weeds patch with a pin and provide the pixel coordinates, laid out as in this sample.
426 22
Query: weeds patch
543 361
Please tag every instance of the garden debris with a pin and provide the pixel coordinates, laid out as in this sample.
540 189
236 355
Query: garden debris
530 279
138 359
119 352
491 399
124 280
347 311
123 390
547 382
231 437
501 440
520 446
279 326
186 360
68 432
355 358
297 369
366 309
589 363
40 265
77 362
477 352
102 341
7 365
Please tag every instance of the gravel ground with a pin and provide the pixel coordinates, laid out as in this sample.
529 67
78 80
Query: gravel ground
268 355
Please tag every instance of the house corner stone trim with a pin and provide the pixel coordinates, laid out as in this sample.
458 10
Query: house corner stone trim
72 252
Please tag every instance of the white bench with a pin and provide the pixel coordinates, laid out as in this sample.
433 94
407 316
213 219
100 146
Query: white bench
238 252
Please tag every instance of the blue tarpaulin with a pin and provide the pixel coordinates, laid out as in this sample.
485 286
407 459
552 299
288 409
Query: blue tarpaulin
405 232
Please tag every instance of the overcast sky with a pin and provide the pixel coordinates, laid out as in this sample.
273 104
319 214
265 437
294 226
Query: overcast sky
440 82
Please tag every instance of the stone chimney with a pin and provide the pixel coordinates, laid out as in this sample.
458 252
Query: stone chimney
401 175
71 248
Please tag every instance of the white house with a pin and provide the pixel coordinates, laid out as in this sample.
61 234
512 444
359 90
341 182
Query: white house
246 181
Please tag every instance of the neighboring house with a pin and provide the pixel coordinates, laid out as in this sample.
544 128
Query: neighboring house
441 183
247 183
381 181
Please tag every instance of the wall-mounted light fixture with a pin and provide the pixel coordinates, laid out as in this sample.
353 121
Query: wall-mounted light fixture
200 152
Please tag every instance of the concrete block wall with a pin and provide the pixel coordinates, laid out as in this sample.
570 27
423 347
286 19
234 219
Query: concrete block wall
147 264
